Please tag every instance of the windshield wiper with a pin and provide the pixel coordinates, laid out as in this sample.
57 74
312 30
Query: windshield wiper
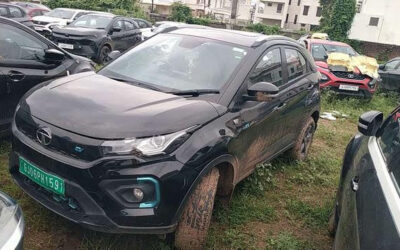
140 84
195 92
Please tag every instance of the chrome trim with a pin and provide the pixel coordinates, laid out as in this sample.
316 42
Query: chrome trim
388 187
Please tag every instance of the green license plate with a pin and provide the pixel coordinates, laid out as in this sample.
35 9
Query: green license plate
48 181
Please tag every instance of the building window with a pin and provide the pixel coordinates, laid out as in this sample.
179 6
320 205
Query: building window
287 18
319 11
290 2
269 4
260 9
305 10
374 21
303 25
279 8
295 19
298 2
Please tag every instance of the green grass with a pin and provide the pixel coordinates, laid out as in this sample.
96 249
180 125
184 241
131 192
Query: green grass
283 205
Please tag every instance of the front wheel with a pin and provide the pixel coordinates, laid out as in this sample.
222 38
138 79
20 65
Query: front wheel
303 142
103 55
193 226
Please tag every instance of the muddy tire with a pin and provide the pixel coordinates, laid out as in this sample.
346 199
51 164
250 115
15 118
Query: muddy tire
303 143
103 58
193 225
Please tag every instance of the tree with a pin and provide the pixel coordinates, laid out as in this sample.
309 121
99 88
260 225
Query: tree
325 21
343 12
180 12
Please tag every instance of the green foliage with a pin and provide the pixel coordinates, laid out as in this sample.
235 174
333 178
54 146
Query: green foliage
326 18
258 182
200 21
180 13
342 16
286 241
264 29
314 216
237 239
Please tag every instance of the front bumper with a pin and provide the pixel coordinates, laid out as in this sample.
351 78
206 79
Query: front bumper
334 82
12 231
84 185
81 46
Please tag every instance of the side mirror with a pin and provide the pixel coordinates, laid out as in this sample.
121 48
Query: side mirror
53 55
114 55
381 66
370 122
262 91
116 29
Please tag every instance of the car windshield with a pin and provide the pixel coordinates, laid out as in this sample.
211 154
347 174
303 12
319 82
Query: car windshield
178 62
320 51
92 21
61 13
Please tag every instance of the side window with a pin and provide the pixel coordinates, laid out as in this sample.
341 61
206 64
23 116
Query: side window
16 44
296 64
118 24
3 11
390 143
142 24
268 69
391 65
129 25
15 12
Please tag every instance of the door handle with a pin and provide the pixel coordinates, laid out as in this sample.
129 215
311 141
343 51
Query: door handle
16 76
280 106
310 86
354 184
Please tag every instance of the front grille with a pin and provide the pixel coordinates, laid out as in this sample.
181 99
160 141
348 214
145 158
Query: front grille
348 75
62 142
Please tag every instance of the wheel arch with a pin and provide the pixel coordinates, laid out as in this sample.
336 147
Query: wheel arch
228 168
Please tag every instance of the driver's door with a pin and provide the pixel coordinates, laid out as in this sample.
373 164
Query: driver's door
118 36
259 122
22 64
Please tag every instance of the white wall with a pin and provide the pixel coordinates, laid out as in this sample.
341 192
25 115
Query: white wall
387 31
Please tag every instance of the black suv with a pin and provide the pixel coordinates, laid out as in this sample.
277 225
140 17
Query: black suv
367 209
96 35
27 59
144 145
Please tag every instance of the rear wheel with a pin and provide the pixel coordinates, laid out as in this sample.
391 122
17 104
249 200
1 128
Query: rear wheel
303 142
103 54
193 226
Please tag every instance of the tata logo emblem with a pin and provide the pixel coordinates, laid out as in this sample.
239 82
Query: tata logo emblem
43 135
351 76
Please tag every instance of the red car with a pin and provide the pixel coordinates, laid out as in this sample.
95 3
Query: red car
33 9
338 78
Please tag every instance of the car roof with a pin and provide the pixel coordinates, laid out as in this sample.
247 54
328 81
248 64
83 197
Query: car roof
106 14
243 38
329 42
73 9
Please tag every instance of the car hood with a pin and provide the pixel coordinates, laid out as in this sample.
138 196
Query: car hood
78 31
96 106
49 19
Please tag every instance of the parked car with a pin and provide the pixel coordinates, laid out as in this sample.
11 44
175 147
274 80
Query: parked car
339 79
163 26
96 35
12 223
145 27
144 145
367 209
16 13
57 17
390 74
27 59
33 9
31 5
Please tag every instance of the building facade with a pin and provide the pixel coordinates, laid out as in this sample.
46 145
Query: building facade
376 22
288 14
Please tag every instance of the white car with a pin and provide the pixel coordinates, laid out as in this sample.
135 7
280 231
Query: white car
57 17
145 27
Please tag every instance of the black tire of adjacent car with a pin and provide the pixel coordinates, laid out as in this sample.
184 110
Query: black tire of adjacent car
193 226
303 143
103 54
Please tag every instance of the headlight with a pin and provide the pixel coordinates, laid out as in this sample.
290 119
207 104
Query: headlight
11 223
150 146
324 77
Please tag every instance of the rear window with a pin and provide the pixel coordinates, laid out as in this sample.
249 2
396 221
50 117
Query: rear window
296 63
